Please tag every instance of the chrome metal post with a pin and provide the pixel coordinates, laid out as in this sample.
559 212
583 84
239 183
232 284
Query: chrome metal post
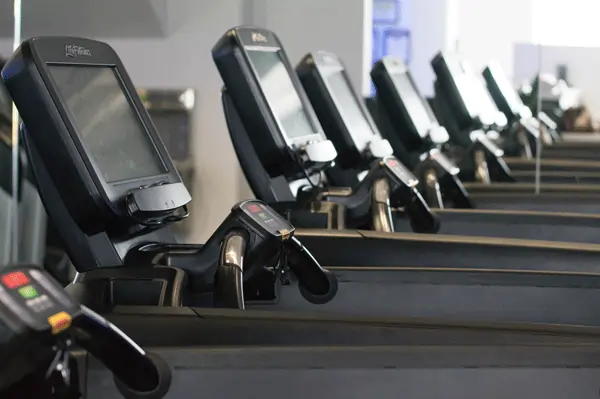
524 141
336 213
380 205
432 189
482 173
229 286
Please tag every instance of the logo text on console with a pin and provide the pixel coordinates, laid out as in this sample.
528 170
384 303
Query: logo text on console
73 51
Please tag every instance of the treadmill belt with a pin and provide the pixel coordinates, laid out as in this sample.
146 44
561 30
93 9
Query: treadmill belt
543 204
374 372
465 300
544 232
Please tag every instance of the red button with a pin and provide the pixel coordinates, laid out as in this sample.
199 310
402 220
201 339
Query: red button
254 208
14 280
392 163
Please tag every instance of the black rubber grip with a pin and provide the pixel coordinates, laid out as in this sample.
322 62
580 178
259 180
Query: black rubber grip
422 219
317 285
140 374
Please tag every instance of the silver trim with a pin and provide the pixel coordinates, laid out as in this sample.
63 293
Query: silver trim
233 251
380 207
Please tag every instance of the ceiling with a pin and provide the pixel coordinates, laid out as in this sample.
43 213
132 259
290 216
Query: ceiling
88 18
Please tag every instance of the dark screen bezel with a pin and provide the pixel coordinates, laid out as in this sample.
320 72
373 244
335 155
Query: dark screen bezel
498 76
119 80
104 56
430 115
326 71
291 142
457 71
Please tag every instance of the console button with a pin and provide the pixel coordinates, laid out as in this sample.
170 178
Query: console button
14 280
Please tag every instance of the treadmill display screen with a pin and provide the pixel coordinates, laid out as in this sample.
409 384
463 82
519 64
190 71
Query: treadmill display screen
467 89
508 92
281 94
107 123
413 103
346 101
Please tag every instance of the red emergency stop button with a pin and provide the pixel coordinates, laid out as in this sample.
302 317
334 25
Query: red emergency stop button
14 280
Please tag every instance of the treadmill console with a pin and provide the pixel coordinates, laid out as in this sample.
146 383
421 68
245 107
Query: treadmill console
271 101
82 114
444 162
33 308
504 95
451 78
400 171
397 93
471 102
40 303
481 137
340 110
38 321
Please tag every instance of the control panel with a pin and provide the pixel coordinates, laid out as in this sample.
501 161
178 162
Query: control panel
481 137
267 219
39 303
444 162
400 171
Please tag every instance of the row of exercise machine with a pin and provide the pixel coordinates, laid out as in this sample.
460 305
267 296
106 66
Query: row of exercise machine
423 271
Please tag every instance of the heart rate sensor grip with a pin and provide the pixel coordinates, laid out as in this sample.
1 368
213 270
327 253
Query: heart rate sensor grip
254 235
37 319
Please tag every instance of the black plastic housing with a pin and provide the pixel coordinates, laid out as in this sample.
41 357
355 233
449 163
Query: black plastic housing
504 95
25 329
94 204
314 70
274 148
265 242
448 69
391 100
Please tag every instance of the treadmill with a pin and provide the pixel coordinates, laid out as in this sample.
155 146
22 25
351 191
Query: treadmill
400 111
346 121
132 270
203 345
353 254
457 85
278 358
508 101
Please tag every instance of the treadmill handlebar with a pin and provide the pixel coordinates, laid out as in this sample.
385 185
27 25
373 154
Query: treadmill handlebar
253 236
136 372
317 285
405 193
229 280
